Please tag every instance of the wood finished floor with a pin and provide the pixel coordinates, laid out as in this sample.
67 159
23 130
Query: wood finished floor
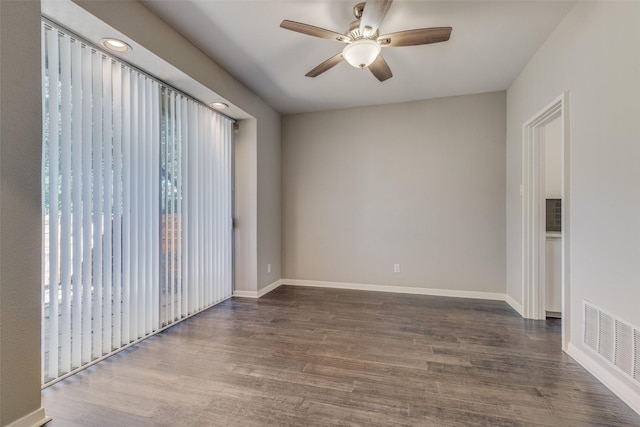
323 357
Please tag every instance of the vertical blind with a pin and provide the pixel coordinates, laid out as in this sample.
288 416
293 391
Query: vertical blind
137 205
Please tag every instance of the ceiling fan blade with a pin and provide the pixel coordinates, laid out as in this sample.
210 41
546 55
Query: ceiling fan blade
310 30
416 37
380 69
329 63
372 16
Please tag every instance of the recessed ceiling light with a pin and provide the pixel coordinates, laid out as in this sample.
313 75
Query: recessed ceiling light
116 45
219 105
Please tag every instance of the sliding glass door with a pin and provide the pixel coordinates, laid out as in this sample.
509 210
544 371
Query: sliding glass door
137 205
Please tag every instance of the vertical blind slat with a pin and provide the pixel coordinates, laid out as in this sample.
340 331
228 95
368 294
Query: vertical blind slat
166 159
65 203
171 249
97 214
155 207
87 274
126 207
107 210
76 177
186 269
143 223
135 229
177 267
117 204
54 117
44 260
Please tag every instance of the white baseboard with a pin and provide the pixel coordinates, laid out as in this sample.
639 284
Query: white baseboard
627 393
397 289
245 294
35 419
269 288
496 296
514 304
257 294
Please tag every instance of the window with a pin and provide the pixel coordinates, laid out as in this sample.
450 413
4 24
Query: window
137 205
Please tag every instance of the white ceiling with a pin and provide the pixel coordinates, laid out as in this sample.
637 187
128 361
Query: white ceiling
490 44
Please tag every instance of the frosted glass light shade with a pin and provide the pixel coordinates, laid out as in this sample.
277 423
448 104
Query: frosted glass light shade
361 53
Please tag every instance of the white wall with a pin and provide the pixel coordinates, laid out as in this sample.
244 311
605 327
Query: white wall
417 183
20 214
553 160
593 54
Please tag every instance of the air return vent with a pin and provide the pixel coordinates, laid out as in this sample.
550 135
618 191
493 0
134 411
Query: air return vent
636 355
613 339
624 348
607 337
591 322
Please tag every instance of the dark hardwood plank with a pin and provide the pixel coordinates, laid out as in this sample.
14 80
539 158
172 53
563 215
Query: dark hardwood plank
318 357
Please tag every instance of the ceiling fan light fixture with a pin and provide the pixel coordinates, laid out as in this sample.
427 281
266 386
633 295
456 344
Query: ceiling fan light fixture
361 53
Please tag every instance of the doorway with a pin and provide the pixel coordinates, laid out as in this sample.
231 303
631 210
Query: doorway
546 189
551 141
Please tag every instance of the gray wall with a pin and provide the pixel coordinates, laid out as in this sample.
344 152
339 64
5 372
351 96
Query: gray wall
419 183
269 202
20 215
593 54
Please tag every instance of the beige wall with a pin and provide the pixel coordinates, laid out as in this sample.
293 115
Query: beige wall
269 202
245 197
419 183
20 217
593 54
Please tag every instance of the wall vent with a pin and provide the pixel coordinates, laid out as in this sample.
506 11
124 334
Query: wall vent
624 347
615 340
636 355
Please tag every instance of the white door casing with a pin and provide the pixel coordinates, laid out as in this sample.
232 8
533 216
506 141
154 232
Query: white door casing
533 212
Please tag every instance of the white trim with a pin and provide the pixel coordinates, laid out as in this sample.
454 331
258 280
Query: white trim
245 294
533 235
35 419
257 294
627 393
513 303
269 288
397 289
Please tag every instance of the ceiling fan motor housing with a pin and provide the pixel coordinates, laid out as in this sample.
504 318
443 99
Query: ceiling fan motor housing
353 31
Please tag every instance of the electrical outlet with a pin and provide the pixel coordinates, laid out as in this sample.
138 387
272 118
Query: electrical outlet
396 268
268 268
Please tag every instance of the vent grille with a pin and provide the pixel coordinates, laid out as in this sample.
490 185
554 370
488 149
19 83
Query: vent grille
624 347
591 327
615 340
636 355
607 341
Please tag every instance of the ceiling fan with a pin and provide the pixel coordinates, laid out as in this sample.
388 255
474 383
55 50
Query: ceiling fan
363 40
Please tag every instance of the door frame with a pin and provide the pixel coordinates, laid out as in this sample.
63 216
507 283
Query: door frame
533 212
